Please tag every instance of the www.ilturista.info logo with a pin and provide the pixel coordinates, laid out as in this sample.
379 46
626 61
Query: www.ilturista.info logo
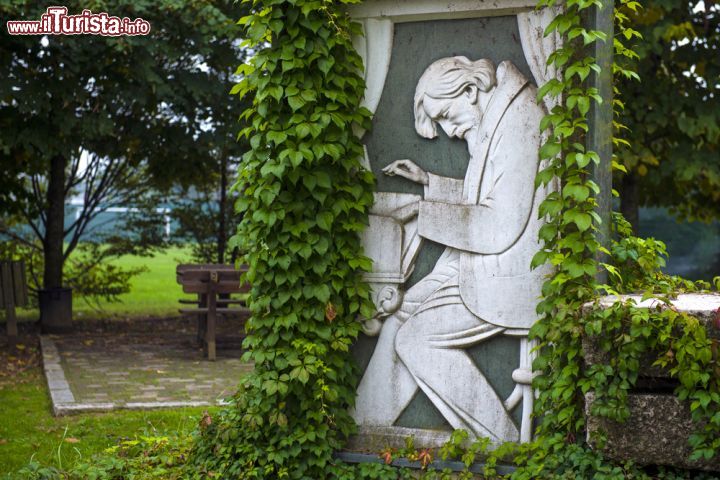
56 21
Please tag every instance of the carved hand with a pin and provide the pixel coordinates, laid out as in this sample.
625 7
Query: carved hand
408 169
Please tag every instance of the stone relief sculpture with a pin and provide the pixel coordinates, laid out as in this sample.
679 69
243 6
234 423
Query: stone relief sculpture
482 285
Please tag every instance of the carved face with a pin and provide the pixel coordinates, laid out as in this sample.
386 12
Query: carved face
457 115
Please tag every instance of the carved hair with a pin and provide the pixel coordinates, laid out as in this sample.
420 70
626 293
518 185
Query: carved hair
448 78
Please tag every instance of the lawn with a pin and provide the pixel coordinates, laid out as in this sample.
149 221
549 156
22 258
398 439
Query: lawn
154 293
29 431
27 428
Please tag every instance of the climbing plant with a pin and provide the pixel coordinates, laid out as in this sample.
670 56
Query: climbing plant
624 334
305 199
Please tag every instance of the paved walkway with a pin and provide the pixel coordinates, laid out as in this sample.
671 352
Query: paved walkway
95 372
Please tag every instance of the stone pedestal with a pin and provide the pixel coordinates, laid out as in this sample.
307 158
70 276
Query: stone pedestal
659 426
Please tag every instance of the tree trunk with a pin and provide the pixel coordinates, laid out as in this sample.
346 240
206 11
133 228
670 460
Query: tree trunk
629 201
54 226
222 235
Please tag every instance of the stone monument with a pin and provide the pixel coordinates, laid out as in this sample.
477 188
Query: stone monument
454 146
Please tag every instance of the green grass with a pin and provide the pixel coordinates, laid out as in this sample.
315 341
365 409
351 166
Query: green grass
27 428
154 293
29 431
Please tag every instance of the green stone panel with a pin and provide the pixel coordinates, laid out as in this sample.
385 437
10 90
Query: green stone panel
415 46
421 413
497 358
362 350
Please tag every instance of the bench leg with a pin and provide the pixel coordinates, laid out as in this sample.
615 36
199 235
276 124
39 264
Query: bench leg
201 320
211 351
11 319
210 328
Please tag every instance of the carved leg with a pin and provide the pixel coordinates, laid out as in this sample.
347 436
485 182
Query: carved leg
386 387
430 344
523 391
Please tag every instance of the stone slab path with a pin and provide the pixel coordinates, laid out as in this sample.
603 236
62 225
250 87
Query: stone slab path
99 372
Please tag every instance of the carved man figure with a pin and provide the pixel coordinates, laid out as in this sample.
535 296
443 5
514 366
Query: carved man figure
482 285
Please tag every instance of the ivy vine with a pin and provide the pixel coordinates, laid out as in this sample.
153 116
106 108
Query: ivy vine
305 198
623 333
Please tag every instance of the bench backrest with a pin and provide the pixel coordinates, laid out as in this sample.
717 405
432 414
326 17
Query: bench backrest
203 278
208 266
13 284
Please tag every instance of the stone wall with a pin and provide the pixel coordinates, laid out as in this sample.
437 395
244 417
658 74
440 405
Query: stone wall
659 426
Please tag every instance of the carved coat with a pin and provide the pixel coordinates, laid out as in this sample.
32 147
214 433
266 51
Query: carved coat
492 215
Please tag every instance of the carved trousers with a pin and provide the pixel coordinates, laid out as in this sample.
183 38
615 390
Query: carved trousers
422 345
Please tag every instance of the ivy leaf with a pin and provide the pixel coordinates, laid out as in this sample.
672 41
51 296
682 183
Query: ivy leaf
296 158
325 220
325 64
256 31
581 219
296 102
276 137
577 192
550 150
302 130
323 179
540 258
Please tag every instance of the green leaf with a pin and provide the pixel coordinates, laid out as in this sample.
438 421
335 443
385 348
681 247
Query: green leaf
581 219
550 150
577 192
276 137
325 220
296 102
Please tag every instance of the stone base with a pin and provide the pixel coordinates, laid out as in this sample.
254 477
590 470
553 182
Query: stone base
656 433
374 439
660 425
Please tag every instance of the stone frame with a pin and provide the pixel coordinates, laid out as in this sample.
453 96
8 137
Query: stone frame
378 19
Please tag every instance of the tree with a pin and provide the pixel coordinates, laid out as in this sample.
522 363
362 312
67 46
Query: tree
141 106
673 115
103 183
205 212
205 215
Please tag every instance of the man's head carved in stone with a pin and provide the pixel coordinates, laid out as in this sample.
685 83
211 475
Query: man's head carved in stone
447 94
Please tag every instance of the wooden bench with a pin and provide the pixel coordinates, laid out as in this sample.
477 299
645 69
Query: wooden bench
13 292
208 282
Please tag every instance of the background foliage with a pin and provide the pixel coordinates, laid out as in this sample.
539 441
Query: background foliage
672 117
110 118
